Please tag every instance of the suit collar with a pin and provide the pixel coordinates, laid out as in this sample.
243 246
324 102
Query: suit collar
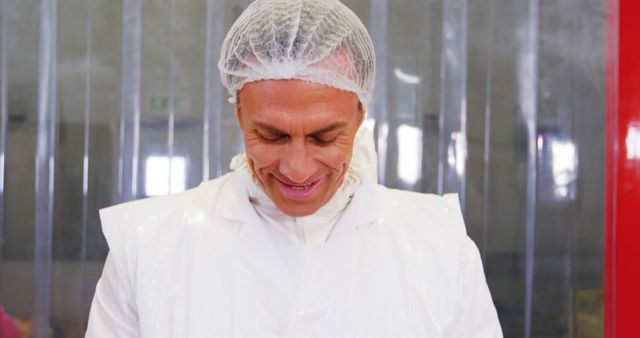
234 204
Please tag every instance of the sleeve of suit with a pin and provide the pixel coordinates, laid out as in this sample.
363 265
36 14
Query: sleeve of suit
113 309
476 315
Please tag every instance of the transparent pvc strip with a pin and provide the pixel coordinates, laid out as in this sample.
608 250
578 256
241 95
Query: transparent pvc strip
45 166
129 142
487 132
612 68
3 118
85 157
379 29
453 100
213 93
171 111
528 84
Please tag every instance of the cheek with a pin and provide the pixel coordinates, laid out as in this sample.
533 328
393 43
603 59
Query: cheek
263 155
336 157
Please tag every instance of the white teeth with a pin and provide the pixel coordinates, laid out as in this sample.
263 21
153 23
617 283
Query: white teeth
300 187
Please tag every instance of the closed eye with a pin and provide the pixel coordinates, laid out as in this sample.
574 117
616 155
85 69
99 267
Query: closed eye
322 141
273 138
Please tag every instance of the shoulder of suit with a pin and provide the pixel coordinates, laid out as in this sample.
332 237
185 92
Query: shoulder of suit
144 216
424 210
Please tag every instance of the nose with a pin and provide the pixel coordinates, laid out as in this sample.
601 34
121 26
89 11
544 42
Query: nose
297 164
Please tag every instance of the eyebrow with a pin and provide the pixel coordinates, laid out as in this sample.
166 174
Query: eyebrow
274 130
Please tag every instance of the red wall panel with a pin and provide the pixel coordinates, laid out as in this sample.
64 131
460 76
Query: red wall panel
622 257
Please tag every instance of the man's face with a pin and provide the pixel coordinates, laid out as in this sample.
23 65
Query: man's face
299 138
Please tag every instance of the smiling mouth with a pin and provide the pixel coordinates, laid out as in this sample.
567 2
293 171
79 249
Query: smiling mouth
298 192
300 187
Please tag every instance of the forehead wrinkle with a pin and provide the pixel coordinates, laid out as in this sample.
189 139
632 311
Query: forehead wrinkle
292 127
308 93
331 127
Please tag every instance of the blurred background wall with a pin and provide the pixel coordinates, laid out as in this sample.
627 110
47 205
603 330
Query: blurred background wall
503 101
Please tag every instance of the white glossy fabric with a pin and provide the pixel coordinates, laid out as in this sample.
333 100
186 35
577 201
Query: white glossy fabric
212 262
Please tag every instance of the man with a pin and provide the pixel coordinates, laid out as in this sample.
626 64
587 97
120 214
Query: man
298 240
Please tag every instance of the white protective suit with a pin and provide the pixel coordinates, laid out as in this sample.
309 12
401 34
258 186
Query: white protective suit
221 260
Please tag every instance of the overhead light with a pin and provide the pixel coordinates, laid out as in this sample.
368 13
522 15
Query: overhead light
633 143
409 153
165 175
404 77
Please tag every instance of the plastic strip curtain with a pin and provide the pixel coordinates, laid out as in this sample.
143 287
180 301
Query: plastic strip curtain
528 86
611 278
213 98
486 189
45 161
520 37
171 96
379 106
84 288
3 118
475 97
452 156
129 150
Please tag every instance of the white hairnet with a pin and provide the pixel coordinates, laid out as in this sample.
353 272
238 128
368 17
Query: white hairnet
320 41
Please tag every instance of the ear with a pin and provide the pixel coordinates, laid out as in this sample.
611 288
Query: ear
238 112
361 114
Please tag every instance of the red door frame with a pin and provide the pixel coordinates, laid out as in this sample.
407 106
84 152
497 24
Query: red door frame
622 228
